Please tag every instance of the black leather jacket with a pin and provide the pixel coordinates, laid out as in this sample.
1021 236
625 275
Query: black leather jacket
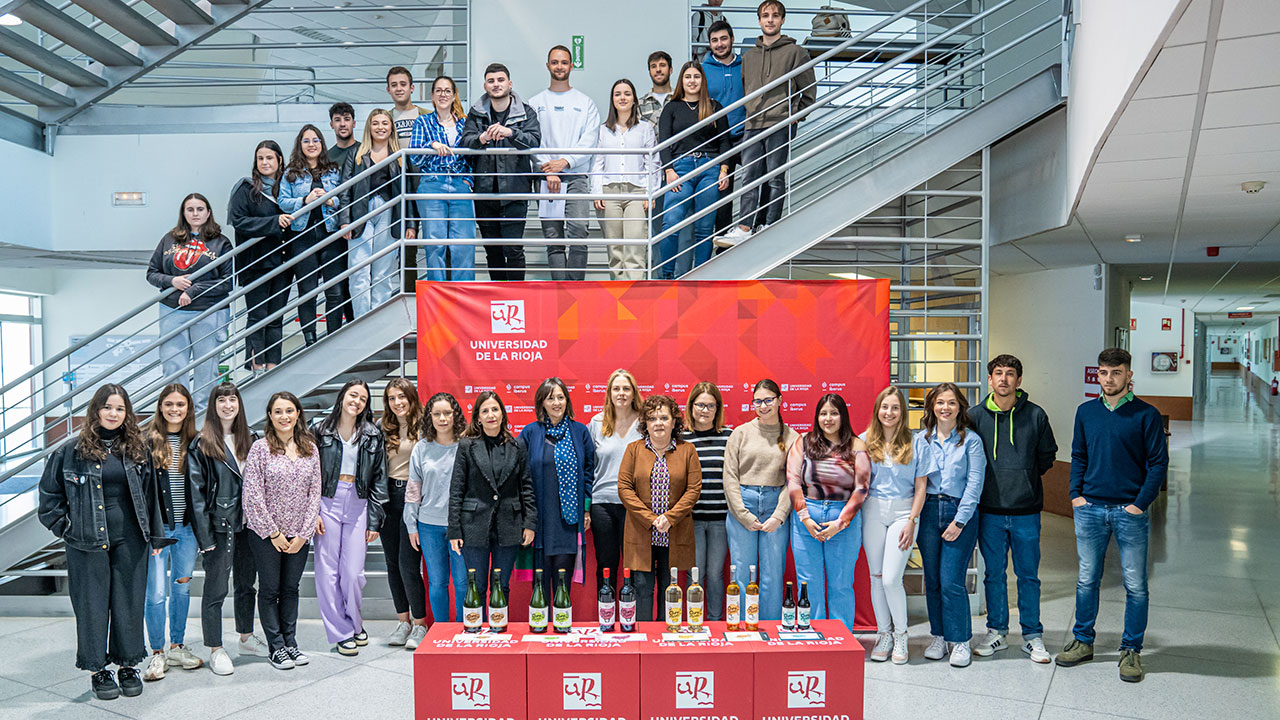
371 468
215 487
71 500
491 494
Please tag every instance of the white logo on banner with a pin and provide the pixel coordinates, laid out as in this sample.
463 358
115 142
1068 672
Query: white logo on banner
506 316
582 691
470 691
695 689
807 688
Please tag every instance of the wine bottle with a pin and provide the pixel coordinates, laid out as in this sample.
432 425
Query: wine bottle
802 608
733 601
562 609
627 603
675 602
538 605
472 605
608 608
753 602
788 609
694 597
497 604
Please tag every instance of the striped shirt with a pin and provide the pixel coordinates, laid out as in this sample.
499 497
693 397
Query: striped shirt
177 480
710 446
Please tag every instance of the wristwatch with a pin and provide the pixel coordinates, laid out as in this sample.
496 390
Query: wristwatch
958 524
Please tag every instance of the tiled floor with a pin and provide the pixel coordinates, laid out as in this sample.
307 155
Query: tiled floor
1211 645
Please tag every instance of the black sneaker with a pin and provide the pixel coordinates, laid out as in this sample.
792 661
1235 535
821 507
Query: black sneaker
130 681
280 659
361 638
297 656
104 685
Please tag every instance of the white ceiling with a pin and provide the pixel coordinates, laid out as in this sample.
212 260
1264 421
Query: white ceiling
1143 183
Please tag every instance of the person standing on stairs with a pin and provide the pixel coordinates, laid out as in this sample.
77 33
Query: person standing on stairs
401 425
255 215
309 176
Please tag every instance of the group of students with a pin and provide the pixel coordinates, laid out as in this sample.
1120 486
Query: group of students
264 207
659 486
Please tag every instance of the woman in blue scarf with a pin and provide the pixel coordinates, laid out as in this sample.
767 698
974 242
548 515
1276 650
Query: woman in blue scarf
562 461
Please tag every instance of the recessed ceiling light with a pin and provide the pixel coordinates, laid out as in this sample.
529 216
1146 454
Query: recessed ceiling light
1245 307
1135 237
1145 277
10 20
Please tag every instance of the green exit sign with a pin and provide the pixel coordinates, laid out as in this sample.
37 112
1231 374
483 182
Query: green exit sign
577 50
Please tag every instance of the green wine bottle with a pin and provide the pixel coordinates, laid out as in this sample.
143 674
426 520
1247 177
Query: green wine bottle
562 610
538 605
472 605
497 604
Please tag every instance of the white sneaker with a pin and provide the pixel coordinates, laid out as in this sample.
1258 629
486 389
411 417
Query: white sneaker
416 636
255 646
884 645
735 235
156 666
900 654
1035 648
220 662
960 656
937 648
400 635
991 643
181 656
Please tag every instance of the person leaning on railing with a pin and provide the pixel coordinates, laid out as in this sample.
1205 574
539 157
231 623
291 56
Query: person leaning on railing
624 174
192 245
308 177
254 212
444 172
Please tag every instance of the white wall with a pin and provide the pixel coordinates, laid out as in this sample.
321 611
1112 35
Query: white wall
26 189
1259 365
1232 340
1054 321
617 41
1149 338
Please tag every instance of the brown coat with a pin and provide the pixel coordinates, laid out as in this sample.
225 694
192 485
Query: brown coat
634 489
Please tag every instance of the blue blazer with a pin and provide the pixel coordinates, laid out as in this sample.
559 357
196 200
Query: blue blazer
553 535
294 193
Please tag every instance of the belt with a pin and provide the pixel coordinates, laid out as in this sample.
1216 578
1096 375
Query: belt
399 483
940 496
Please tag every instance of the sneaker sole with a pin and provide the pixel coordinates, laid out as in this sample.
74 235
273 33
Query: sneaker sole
879 658
131 692
396 643
229 672
900 661
349 652
301 664
1042 660
1132 679
106 694
282 667
960 665
1073 663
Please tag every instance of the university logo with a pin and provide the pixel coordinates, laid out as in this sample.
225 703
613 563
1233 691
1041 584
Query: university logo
695 689
470 691
582 691
807 689
506 316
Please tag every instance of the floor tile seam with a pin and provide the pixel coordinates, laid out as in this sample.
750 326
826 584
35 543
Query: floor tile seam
51 621
1187 609
64 697
947 689
1095 712
304 686
1275 636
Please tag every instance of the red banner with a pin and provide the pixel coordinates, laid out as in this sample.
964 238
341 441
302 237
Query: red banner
812 337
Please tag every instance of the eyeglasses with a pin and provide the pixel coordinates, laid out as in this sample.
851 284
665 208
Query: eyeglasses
763 402
311 141
443 91
706 407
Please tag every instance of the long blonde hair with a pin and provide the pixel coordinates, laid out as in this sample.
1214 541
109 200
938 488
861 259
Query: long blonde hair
897 447
637 402
366 140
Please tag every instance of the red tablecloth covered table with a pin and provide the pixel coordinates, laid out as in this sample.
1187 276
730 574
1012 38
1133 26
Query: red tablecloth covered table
516 675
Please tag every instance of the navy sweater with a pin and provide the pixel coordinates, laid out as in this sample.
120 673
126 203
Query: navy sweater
1118 457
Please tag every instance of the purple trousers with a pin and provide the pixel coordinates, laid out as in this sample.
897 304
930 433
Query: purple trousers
339 562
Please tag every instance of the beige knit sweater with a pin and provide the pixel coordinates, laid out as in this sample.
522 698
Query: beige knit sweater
752 457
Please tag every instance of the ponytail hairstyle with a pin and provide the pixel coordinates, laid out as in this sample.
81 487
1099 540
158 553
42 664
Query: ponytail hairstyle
772 387
962 416
211 442
89 444
816 444
158 431
880 447
391 421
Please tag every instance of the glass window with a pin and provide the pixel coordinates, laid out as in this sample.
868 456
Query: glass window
19 353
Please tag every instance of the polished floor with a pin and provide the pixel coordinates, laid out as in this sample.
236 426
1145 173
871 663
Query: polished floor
1211 646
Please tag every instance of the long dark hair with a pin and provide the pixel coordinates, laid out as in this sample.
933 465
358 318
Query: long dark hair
705 107
459 417
476 428
158 431
391 423
816 444
772 387
364 420
930 422
612 121
211 442
301 435
544 391
183 232
298 162
130 445
274 147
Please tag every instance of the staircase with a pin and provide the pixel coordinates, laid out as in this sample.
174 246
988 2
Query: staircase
887 178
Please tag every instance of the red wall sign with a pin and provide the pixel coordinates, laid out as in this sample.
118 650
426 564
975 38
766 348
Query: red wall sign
812 337
1166 323
1240 315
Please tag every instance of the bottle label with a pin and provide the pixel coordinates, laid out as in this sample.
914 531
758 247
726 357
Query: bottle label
627 612
788 617
674 613
802 617
563 617
607 612
695 614
498 616
538 617
753 610
733 612
472 617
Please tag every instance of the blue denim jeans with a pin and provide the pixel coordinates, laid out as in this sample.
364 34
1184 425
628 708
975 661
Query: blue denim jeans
446 220
1095 524
711 546
767 551
199 338
442 564
827 566
376 282
695 194
997 536
945 565
163 572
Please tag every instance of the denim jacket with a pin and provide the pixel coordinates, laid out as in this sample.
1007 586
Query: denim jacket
426 130
293 195
71 500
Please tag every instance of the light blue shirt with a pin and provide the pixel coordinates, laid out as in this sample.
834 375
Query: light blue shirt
893 481
958 470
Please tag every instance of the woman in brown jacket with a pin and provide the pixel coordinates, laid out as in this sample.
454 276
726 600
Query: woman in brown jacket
659 483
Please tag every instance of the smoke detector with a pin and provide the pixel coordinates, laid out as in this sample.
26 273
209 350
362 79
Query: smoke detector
1253 187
